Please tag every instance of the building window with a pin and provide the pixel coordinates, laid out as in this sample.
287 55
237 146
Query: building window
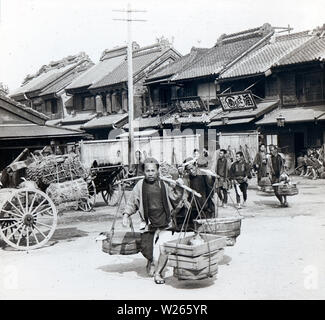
88 103
54 106
309 87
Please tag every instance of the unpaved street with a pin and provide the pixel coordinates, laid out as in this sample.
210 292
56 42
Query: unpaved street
280 254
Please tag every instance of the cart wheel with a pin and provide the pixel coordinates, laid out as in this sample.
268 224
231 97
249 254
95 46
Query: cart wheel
87 204
28 219
112 195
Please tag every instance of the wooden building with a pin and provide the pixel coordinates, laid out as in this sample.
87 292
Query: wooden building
102 90
44 91
299 82
186 91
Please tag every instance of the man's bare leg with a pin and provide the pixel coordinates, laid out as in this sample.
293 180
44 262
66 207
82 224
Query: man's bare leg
162 261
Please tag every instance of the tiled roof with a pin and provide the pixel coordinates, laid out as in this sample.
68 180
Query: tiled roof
97 72
178 64
105 121
260 60
35 131
120 73
62 83
227 49
262 108
48 74
23 107
310 51
296 114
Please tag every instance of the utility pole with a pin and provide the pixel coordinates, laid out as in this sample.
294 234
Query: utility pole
129 19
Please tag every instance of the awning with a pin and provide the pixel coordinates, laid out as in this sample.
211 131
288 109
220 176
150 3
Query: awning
78 118
149 122
73 127
295 114
23 131
105 121
230 121
145 133
53 122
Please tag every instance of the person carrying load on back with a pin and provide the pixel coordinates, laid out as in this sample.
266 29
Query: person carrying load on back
240 172
154 199
276 170
222 169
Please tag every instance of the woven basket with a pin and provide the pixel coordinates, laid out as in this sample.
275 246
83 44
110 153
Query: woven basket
265 181
120 242
227 227
288 190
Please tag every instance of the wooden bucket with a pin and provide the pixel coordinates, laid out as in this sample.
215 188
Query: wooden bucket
227 227
120 242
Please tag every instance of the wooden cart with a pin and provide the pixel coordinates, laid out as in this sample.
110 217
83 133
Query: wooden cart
28 218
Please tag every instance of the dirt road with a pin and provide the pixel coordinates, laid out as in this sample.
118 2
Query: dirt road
280 254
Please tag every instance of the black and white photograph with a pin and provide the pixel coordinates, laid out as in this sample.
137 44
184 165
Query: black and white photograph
162 151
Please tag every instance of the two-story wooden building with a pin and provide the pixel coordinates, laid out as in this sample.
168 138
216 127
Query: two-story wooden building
44 91
186 90
102 90
299 82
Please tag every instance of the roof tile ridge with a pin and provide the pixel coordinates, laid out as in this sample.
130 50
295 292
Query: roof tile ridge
189 63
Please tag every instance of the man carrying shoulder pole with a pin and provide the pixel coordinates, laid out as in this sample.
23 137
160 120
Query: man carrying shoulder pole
154 199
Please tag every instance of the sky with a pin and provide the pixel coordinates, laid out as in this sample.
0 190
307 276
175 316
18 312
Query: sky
36 32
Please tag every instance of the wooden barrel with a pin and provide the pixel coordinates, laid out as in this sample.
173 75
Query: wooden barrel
227 227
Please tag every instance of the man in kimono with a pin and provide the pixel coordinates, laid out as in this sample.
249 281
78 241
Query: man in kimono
154 200
260 163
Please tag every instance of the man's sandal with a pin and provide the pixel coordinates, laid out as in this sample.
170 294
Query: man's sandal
159 279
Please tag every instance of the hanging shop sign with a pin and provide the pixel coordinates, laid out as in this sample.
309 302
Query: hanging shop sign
241 100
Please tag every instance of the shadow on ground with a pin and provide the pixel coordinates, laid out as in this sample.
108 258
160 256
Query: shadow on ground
137 265
68 234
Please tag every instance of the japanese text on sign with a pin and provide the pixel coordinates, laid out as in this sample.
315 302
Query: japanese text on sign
237 101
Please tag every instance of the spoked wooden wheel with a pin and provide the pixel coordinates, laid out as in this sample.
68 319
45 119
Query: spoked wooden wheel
112 195
87 203
28 218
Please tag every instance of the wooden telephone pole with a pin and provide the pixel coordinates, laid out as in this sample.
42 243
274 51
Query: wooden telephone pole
129 20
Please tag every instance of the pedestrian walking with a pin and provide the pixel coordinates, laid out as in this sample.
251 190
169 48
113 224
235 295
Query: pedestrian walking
276 170
240 172
260 163
222 184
